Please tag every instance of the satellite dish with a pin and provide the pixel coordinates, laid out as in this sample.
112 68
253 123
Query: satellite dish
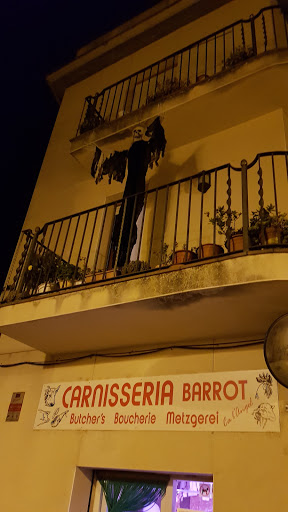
276 350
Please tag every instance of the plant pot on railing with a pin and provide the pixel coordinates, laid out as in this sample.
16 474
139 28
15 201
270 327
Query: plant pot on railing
90 278
101 275
268 228
236 242
225 220
238 56
273 235
47 287
183 256
110 274
210 250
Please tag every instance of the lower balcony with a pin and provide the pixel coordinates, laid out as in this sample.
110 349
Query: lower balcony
198 259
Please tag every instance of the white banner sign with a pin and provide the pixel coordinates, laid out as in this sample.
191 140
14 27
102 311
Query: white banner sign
245 401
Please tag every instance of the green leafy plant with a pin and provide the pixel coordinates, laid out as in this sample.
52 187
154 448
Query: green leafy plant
163 256
221 221
240 54
68 272
192 249
42 268
265 218
168 87
167 257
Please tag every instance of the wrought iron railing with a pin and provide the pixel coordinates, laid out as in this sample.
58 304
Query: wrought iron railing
184 69
215 213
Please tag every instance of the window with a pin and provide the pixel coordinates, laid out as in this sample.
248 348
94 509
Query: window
184 493
192 495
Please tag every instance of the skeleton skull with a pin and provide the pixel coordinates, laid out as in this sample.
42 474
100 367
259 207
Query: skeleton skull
138 133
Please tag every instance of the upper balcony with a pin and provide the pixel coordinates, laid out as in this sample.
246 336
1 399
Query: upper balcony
173 82
212 245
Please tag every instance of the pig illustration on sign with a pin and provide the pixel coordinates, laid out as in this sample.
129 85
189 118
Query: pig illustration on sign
50 396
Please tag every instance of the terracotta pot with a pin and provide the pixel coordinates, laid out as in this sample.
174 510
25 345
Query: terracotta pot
183 256
210 250
109 274
236 243
63 284
89 278
273 235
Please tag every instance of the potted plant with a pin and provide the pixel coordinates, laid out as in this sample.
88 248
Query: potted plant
168 87
235 242
267 228
68 274
103 274
240 54
164 257
41 272
98 275
183 255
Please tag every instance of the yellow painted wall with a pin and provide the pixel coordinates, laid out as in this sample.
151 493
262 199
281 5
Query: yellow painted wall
73 189
37 467
64 186
226 134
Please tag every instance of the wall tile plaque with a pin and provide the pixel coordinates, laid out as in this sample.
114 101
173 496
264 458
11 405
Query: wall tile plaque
15 407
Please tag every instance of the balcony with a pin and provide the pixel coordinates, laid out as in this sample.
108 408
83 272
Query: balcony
172 80
203 243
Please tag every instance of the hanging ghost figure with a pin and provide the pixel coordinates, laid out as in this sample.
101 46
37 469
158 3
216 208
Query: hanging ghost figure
50 396
141 155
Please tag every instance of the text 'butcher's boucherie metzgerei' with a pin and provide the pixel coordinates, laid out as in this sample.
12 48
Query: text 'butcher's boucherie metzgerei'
237 401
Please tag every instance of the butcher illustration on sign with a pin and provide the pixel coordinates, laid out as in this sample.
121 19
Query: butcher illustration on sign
44 417
57 417
266 383
50 396
264 413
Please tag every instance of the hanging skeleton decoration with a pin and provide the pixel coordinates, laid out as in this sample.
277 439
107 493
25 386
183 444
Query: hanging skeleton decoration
141 155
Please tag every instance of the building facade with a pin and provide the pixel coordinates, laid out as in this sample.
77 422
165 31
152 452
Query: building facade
132 326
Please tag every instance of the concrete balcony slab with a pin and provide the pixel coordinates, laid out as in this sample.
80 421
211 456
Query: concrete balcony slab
233 298
202 110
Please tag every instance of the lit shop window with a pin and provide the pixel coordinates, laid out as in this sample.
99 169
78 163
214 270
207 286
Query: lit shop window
190 495
138 492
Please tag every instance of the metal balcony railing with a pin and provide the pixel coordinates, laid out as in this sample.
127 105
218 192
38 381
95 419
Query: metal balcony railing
215 213
184 69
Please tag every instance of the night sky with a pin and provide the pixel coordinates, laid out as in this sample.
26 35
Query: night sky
38 37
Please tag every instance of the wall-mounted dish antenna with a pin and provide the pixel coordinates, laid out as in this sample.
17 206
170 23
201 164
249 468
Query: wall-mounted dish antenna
276 350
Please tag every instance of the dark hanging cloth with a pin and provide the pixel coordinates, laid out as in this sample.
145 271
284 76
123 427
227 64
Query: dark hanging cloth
157 142
114 166
140 155
95 162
